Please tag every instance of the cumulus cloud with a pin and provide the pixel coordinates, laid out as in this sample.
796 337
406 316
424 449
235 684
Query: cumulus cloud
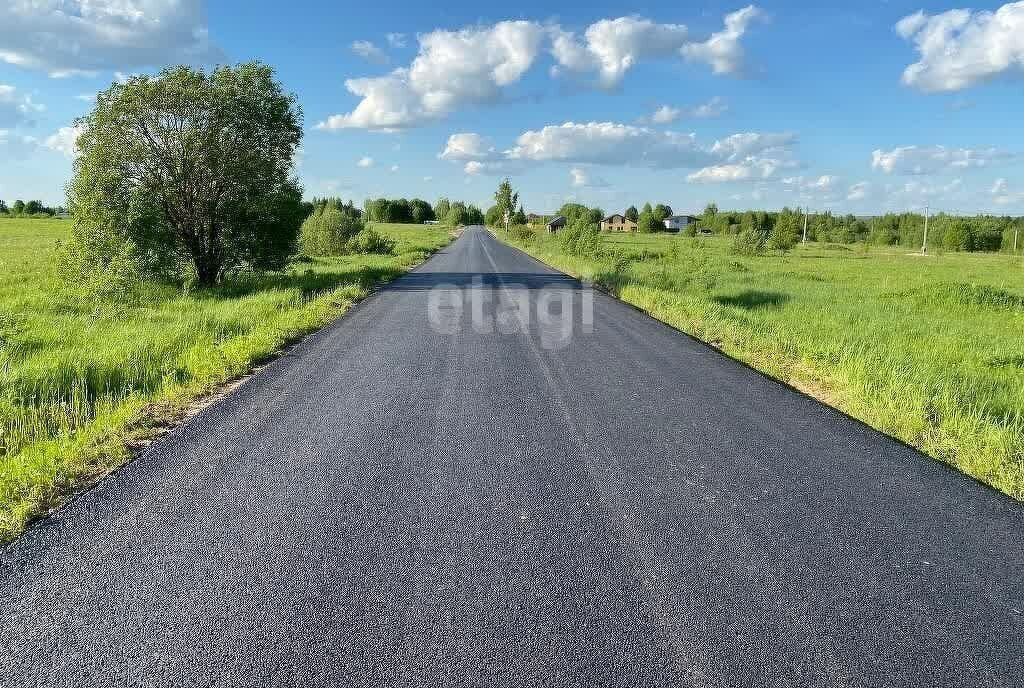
914 160
84 36
961 48
365 162
396 40
858 191
610 143
749 169
581 178
666 114
65 141
467 146
16 109
368 51
475 65
723 51
612 46
452 69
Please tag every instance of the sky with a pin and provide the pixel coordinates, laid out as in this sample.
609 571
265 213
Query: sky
850 107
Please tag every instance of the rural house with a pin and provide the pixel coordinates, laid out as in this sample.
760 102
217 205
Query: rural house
618 223
674 223
557 224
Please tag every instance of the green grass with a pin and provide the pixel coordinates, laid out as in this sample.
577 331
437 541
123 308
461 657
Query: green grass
78 388
927 349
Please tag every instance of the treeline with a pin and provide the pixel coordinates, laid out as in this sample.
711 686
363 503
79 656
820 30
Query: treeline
22 208
949 232
455 213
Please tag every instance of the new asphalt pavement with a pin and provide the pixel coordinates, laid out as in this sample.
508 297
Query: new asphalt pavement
487 475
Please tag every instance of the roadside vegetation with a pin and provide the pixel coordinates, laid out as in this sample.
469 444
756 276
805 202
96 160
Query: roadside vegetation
188 258
927 349
81 381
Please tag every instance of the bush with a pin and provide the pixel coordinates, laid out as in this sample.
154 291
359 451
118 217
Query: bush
328 230
959 236
369 241
100 268
749 242
521 233
784 234
583 239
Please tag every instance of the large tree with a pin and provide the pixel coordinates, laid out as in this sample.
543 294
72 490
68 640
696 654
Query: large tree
193 168
506 200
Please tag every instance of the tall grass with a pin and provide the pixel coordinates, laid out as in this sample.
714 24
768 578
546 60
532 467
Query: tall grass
927 349
78 385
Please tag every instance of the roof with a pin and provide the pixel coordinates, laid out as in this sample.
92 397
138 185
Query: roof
681 217
608 219
558 220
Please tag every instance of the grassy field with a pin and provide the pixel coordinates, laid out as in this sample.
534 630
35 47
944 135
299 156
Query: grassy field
79 387
927 349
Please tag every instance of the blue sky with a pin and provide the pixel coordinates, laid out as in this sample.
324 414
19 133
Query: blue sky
887 106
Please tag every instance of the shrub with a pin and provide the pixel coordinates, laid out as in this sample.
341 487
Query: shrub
784 234
100 267
521 233
583 238
959 236
369 241
749 242
328 230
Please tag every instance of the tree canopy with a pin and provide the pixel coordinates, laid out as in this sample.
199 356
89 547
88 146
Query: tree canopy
193 170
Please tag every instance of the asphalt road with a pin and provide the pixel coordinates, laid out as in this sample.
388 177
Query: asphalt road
408 499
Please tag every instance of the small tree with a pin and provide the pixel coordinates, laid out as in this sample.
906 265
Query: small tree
786 232
19 207
505 199
3 208
441 209
520 217
661 212
193 168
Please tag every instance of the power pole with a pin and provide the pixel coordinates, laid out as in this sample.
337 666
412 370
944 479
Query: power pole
924 244
806 211
1016 229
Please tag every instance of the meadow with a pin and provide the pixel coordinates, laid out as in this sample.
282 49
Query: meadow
929 350
81 385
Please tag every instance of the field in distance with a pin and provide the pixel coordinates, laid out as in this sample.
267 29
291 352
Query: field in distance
926 349
78 384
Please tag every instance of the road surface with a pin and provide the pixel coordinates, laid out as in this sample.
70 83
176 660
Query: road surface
407 498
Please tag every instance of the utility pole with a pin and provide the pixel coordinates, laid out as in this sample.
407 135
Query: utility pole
806 211
924 244
1016 229
507 214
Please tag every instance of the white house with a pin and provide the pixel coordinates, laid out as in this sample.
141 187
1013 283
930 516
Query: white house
674 223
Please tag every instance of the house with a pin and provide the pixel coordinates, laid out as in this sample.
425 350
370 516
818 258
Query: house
618 223
674 223
535 219
557 224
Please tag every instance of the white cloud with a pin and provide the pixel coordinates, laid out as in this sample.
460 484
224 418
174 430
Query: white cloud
65 141
86 97
613 46
748 169
473 167
722 51
16 146
475 65
452 69
368 51
748 144
428 178
961 48
666 114
16 109
365 162
858 191
394 168
582 178
932 159
467 146
610 143
396 40
1002 195
70 37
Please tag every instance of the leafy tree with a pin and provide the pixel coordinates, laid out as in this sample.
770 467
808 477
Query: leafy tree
786 232
421 211
520 216
34 208
631 213
3 208
193 169
505 199
646 223
493 218
19 207
661 212
441 209
959 236
710 213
